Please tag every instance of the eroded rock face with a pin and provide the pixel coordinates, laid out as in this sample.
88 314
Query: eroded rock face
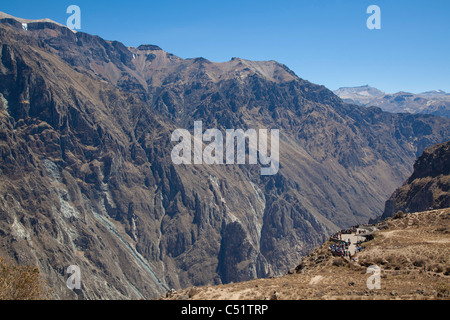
87 178
429 185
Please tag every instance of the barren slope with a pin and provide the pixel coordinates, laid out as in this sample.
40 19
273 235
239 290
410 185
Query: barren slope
413 253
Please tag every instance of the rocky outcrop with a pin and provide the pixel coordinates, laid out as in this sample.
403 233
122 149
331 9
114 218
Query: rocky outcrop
148 47
429 185
88 180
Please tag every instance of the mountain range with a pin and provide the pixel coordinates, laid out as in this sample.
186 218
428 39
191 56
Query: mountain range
436 102
87 177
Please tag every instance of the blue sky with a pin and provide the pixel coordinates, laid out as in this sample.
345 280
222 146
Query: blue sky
323 41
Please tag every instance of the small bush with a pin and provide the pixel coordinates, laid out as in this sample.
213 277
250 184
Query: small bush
439 268
379 260
419 263
193 291
443 290
21 282
337 262
447 271
398 215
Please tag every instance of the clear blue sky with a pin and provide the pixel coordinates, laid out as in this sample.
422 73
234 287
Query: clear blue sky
323 41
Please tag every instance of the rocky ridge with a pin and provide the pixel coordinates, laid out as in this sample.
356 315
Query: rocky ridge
429 185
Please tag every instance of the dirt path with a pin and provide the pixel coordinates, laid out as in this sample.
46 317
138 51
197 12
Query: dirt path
353 237
315 280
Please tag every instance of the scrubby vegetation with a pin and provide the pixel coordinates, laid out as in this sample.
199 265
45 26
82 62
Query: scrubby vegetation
21 282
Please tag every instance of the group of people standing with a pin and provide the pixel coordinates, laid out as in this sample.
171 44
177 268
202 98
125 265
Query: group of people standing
341 247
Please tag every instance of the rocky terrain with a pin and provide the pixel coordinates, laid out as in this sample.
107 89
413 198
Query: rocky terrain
412 252
435 102
87 178
429 185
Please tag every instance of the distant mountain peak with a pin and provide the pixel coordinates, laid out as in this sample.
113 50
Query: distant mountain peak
357 87
435 102
360 95
4 15
439 91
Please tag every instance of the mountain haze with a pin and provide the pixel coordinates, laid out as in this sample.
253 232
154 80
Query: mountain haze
435 102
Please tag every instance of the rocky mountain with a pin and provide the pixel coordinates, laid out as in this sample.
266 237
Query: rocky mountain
87 177
437 95
429 185
435 102
360 95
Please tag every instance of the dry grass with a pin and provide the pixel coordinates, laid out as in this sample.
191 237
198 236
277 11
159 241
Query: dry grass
21 283
412 251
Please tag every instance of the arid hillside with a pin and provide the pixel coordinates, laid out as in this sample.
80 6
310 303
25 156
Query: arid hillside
412 251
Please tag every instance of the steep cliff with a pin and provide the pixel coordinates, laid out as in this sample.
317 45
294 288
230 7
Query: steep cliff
429 185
